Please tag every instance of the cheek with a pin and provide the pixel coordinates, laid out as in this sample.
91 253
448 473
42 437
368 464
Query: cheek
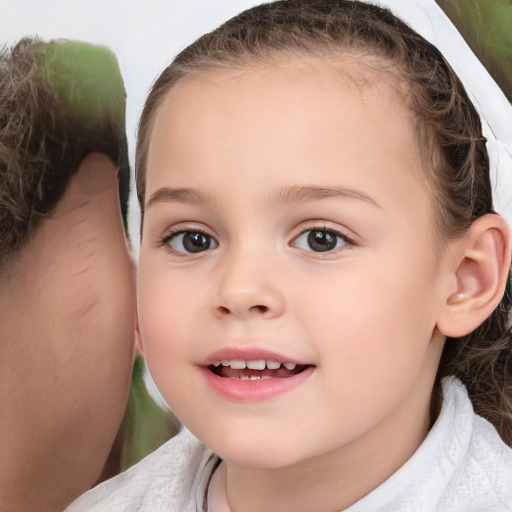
167 308
372 315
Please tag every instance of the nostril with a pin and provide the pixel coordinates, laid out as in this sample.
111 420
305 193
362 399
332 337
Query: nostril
256 309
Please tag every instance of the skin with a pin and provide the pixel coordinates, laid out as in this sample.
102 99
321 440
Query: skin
363 315
67 308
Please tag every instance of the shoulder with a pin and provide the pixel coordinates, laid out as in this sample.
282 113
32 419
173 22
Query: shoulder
483 476
462 466
164 480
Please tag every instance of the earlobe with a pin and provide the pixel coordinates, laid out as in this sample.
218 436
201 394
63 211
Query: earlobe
480 275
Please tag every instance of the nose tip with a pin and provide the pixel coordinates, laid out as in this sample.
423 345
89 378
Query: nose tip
247 294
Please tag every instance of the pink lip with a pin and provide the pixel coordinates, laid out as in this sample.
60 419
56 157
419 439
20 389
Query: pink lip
251 390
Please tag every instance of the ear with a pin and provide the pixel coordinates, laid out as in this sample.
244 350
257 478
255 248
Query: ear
480 276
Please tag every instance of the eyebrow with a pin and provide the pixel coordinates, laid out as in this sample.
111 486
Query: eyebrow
297 194
291 194
179 195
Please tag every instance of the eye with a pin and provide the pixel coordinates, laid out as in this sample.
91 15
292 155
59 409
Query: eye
320 240
189 242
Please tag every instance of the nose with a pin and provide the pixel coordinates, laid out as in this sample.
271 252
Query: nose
247 288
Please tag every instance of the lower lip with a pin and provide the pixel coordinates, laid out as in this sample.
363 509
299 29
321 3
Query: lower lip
254 390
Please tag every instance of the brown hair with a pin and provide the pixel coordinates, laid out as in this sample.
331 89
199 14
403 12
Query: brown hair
59 101
448 128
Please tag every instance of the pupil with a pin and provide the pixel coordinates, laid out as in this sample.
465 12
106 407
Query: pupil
321 241
196 242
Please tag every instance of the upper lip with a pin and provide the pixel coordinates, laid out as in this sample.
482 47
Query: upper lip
248 354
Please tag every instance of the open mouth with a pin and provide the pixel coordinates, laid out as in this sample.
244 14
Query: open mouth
259 369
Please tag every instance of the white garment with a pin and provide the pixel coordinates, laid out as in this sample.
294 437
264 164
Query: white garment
462 466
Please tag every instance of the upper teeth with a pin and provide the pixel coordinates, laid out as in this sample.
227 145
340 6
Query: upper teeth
256 364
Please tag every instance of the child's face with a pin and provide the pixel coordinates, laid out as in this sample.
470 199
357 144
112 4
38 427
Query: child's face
287 221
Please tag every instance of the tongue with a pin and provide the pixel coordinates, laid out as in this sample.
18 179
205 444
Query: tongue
280 373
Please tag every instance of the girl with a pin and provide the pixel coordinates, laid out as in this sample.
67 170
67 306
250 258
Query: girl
321 286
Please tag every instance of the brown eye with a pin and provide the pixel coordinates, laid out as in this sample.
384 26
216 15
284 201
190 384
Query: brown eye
191 242
320 240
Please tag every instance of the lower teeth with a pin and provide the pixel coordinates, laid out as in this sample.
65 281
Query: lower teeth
254 377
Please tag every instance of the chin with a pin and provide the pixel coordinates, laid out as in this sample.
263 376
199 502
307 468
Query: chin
252 452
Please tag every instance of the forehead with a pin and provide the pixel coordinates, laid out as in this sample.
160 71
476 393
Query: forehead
288 86
281 118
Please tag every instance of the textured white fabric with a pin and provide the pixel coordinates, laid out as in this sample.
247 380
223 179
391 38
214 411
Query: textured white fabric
427 18
164 481
462 466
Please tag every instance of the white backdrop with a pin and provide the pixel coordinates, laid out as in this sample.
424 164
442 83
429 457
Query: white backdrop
144 35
